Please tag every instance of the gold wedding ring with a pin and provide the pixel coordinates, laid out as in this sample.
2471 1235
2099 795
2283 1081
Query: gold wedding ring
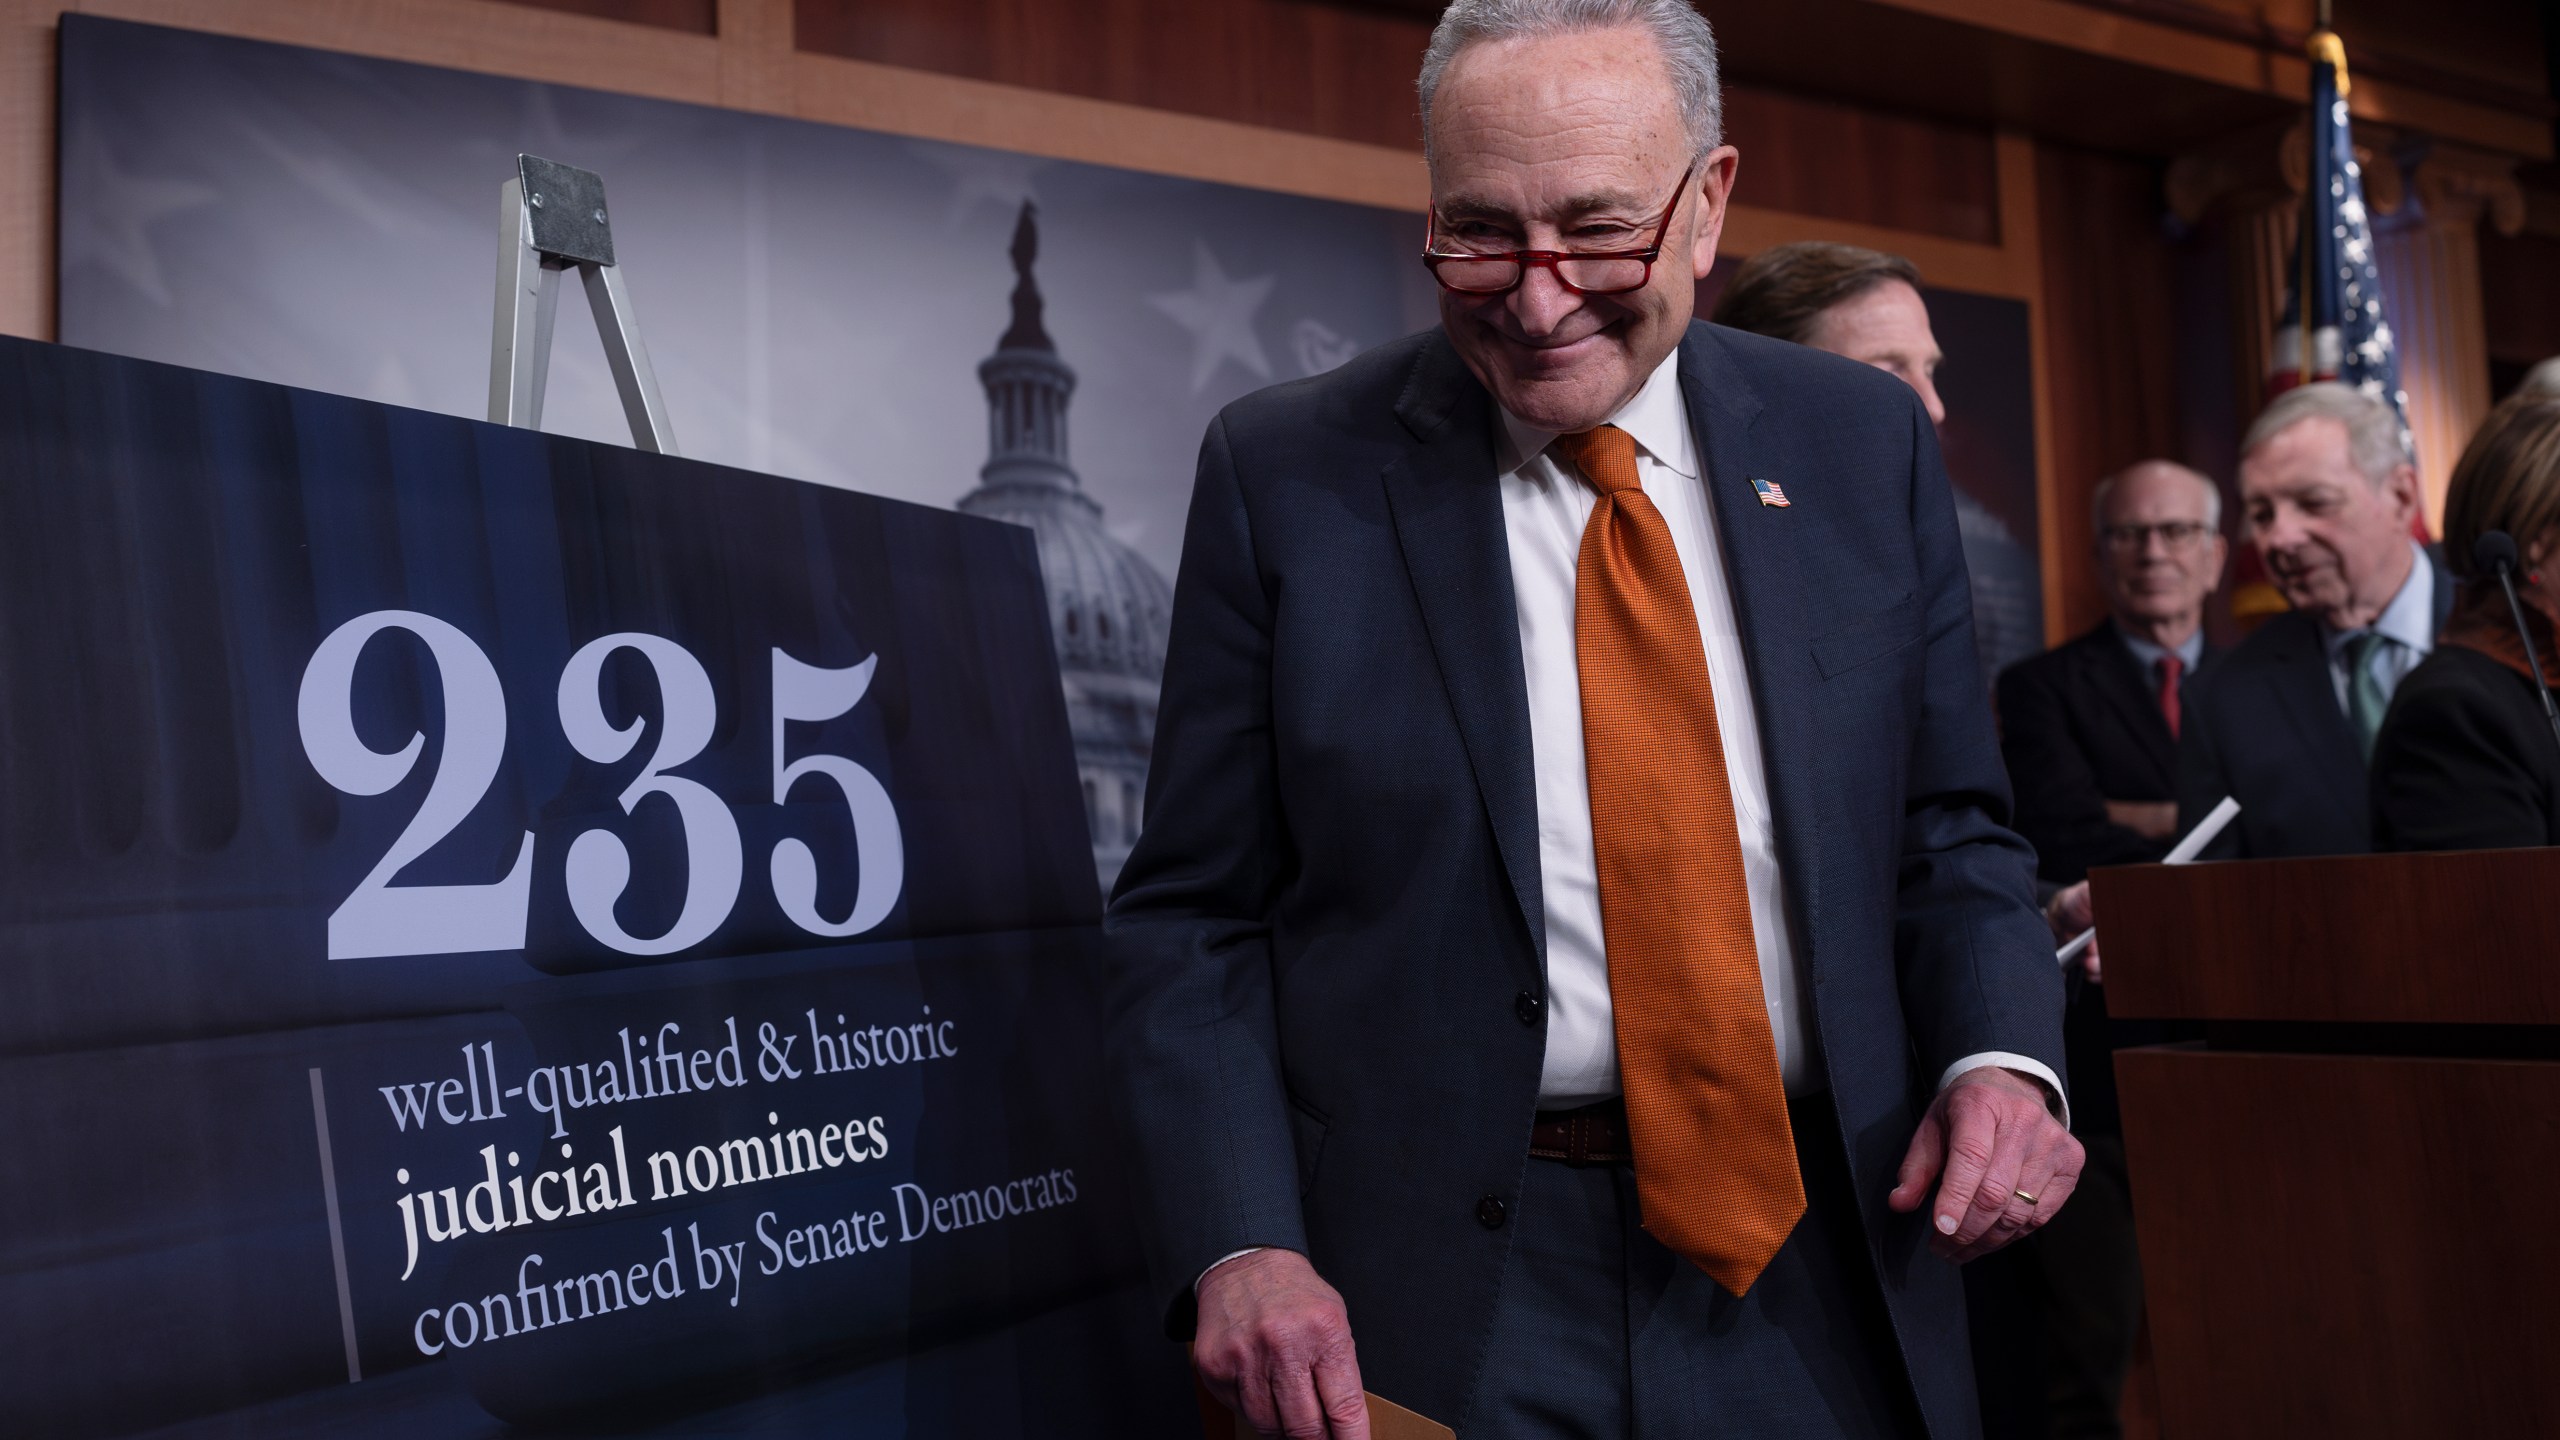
2023 1195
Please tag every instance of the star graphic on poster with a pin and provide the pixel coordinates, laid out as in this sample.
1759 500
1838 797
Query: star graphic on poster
114 229
335 179
1218 311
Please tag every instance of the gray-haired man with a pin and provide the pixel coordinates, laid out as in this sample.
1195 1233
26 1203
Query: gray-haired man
2288 718
1575 947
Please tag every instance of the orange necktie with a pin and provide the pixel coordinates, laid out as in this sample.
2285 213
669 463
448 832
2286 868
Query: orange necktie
1715 1158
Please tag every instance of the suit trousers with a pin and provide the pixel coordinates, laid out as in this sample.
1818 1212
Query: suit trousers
1603 1334
2084 1279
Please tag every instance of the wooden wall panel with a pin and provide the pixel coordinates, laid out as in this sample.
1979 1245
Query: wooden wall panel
1845 162
2455 46
1348 74
693 17
2109 323
1321 69
26 168
2520 279
2431 280
2487 49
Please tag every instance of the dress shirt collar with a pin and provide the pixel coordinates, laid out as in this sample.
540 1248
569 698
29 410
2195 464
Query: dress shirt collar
1655 416
2410 618
2149 655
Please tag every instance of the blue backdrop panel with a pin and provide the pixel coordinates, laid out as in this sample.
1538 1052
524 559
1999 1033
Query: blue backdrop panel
753 1093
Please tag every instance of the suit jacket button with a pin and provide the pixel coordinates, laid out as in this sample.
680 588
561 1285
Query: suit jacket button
1528 1007
1490 1212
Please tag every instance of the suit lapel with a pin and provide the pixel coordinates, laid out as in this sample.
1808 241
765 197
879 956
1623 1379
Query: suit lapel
2311 701
1447 509
2114 673
1767 564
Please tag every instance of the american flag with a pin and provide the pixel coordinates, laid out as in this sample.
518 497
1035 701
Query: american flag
2348 335
1769 492
2333 301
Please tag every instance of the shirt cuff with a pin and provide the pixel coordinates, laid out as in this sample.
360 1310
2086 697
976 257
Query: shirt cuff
2055 1099
1240 1254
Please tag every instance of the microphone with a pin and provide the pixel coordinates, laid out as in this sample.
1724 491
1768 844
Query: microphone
2495 553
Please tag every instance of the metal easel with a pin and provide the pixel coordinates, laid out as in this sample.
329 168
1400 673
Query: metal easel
552 218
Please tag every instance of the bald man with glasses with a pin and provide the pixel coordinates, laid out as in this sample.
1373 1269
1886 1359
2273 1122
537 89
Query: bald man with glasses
1576 978
2090 729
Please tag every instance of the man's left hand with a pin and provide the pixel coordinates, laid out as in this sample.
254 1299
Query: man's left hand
1994 1141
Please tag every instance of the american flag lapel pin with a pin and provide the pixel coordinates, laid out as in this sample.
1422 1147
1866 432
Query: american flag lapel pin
1769 493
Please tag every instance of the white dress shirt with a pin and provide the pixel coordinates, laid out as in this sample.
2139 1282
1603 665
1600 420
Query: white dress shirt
1544 507
2409 622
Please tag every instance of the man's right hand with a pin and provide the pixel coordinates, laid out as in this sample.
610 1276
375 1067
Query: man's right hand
2066 915
1274 1346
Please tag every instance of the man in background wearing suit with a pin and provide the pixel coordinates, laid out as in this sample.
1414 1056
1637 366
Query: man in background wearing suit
1866 305
2090 731
2286 722
1575 947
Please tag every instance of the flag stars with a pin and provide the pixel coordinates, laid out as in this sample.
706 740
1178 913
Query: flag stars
2354 345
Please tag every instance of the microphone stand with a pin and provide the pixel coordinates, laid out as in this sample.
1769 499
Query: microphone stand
2532 654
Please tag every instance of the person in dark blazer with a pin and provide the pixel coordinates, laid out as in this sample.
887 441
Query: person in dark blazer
2286 723
2090 728
1576 922
2467 759
2090 733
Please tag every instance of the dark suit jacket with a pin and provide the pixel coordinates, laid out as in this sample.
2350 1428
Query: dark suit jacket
2266 729
1320 947
2465 760
2080 726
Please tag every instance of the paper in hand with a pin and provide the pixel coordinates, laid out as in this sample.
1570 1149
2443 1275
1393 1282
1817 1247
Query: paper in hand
2186 850
1387 1421
1391 1421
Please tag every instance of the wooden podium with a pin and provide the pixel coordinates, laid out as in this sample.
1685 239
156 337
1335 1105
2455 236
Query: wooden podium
2348 1194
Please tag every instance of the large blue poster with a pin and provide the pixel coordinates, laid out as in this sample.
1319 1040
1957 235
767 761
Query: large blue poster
502 933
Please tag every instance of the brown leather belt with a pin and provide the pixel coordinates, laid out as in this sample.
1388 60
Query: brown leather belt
1592 1135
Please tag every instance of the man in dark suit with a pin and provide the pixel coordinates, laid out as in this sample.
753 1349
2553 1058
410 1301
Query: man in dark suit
2287 721
2090 729
1575 946
2090 732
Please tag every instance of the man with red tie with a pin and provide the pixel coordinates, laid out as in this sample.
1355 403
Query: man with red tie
2090 731
2090 728
1576 979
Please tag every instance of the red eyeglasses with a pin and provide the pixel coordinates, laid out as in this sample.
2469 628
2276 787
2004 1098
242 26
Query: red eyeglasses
1584 272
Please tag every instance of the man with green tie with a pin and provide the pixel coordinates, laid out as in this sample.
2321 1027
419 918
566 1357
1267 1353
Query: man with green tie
2285 722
